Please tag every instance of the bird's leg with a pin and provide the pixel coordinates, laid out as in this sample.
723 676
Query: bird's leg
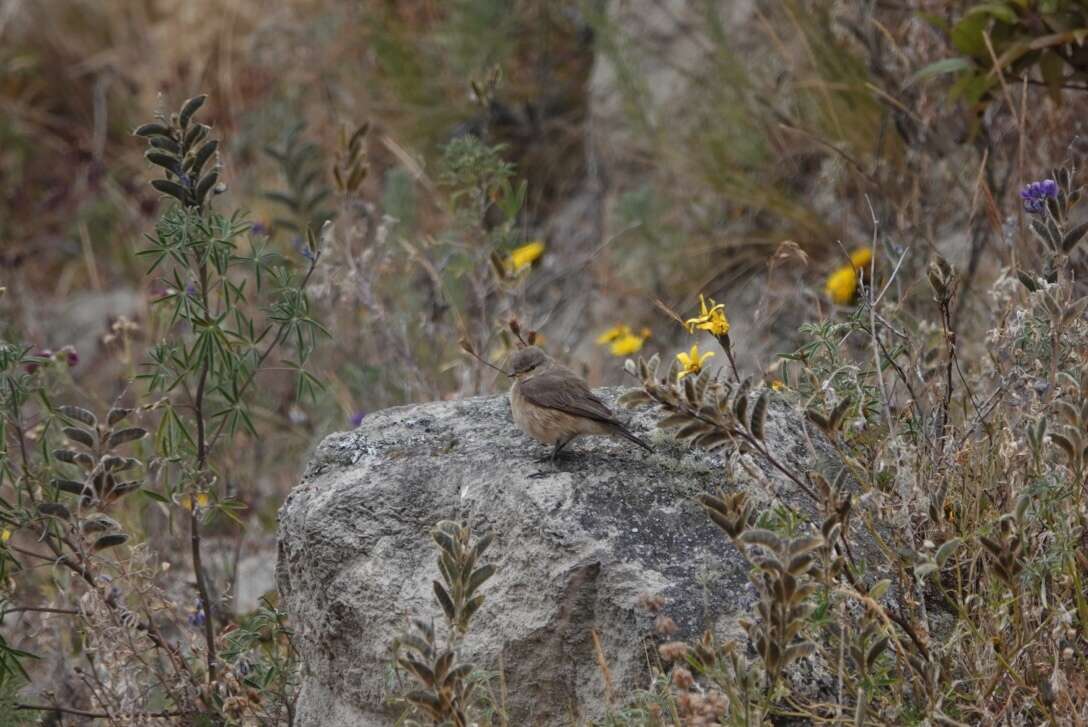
554 454
559 448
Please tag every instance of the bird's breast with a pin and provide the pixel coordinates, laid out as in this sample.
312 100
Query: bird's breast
549 425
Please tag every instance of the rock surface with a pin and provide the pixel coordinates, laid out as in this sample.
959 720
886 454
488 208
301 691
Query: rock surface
575 547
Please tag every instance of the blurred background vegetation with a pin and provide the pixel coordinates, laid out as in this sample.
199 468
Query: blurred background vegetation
667 148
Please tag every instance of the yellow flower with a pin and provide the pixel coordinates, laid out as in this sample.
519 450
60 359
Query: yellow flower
613 333
842 284
186 500
692 361
5 535
627 345
861 257
710 318
777 385
622 341
524 256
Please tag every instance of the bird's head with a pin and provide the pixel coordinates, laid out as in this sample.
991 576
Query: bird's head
528 361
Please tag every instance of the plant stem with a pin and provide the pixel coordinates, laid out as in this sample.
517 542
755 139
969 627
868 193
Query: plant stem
194 521
97 715
37 609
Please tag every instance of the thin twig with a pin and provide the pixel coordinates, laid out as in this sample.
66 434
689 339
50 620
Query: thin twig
38 609
98 715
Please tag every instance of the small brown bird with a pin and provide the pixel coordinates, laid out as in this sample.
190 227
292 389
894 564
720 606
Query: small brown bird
553 405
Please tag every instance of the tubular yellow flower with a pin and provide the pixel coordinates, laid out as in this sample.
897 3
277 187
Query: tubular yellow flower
5 535
524 256
711 318
777 385
692 361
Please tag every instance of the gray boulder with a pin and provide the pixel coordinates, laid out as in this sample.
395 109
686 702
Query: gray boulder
575 548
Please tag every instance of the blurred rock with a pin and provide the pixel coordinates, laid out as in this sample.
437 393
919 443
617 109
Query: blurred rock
574 549
256 577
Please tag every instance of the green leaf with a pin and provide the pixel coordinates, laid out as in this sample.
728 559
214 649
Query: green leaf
164 160
81 436
879 589
191 107
152 495
1074 236
205 185
1050 67
152 129
126 435
947 549
1000 11
478 577
109 541
924 569
55 509
444 600
171 188
79 414
202 156
967 36
941 67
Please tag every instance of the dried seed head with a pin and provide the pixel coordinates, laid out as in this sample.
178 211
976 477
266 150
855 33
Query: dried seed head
652 603
673 650
665 626
682 678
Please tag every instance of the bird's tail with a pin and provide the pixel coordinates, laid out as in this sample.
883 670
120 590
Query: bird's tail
626 434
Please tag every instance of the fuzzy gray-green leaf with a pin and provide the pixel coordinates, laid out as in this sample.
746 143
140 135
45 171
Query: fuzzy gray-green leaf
110 541
172 188
79 414
79 436
126 435
191 107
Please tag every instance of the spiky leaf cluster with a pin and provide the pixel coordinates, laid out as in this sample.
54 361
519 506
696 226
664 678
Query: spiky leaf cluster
836 503
351 166
93 451
1006 550
304 200
830 423
1070 432
783 577
445 692
703 410
181 147
461 579
784 582
106 475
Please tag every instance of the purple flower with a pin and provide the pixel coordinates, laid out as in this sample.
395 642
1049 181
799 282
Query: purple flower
303 249
258 228
40 353
71 356
190 289
196 616
1036 194
357 419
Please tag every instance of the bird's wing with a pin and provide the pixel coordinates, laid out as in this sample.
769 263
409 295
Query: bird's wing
566 392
